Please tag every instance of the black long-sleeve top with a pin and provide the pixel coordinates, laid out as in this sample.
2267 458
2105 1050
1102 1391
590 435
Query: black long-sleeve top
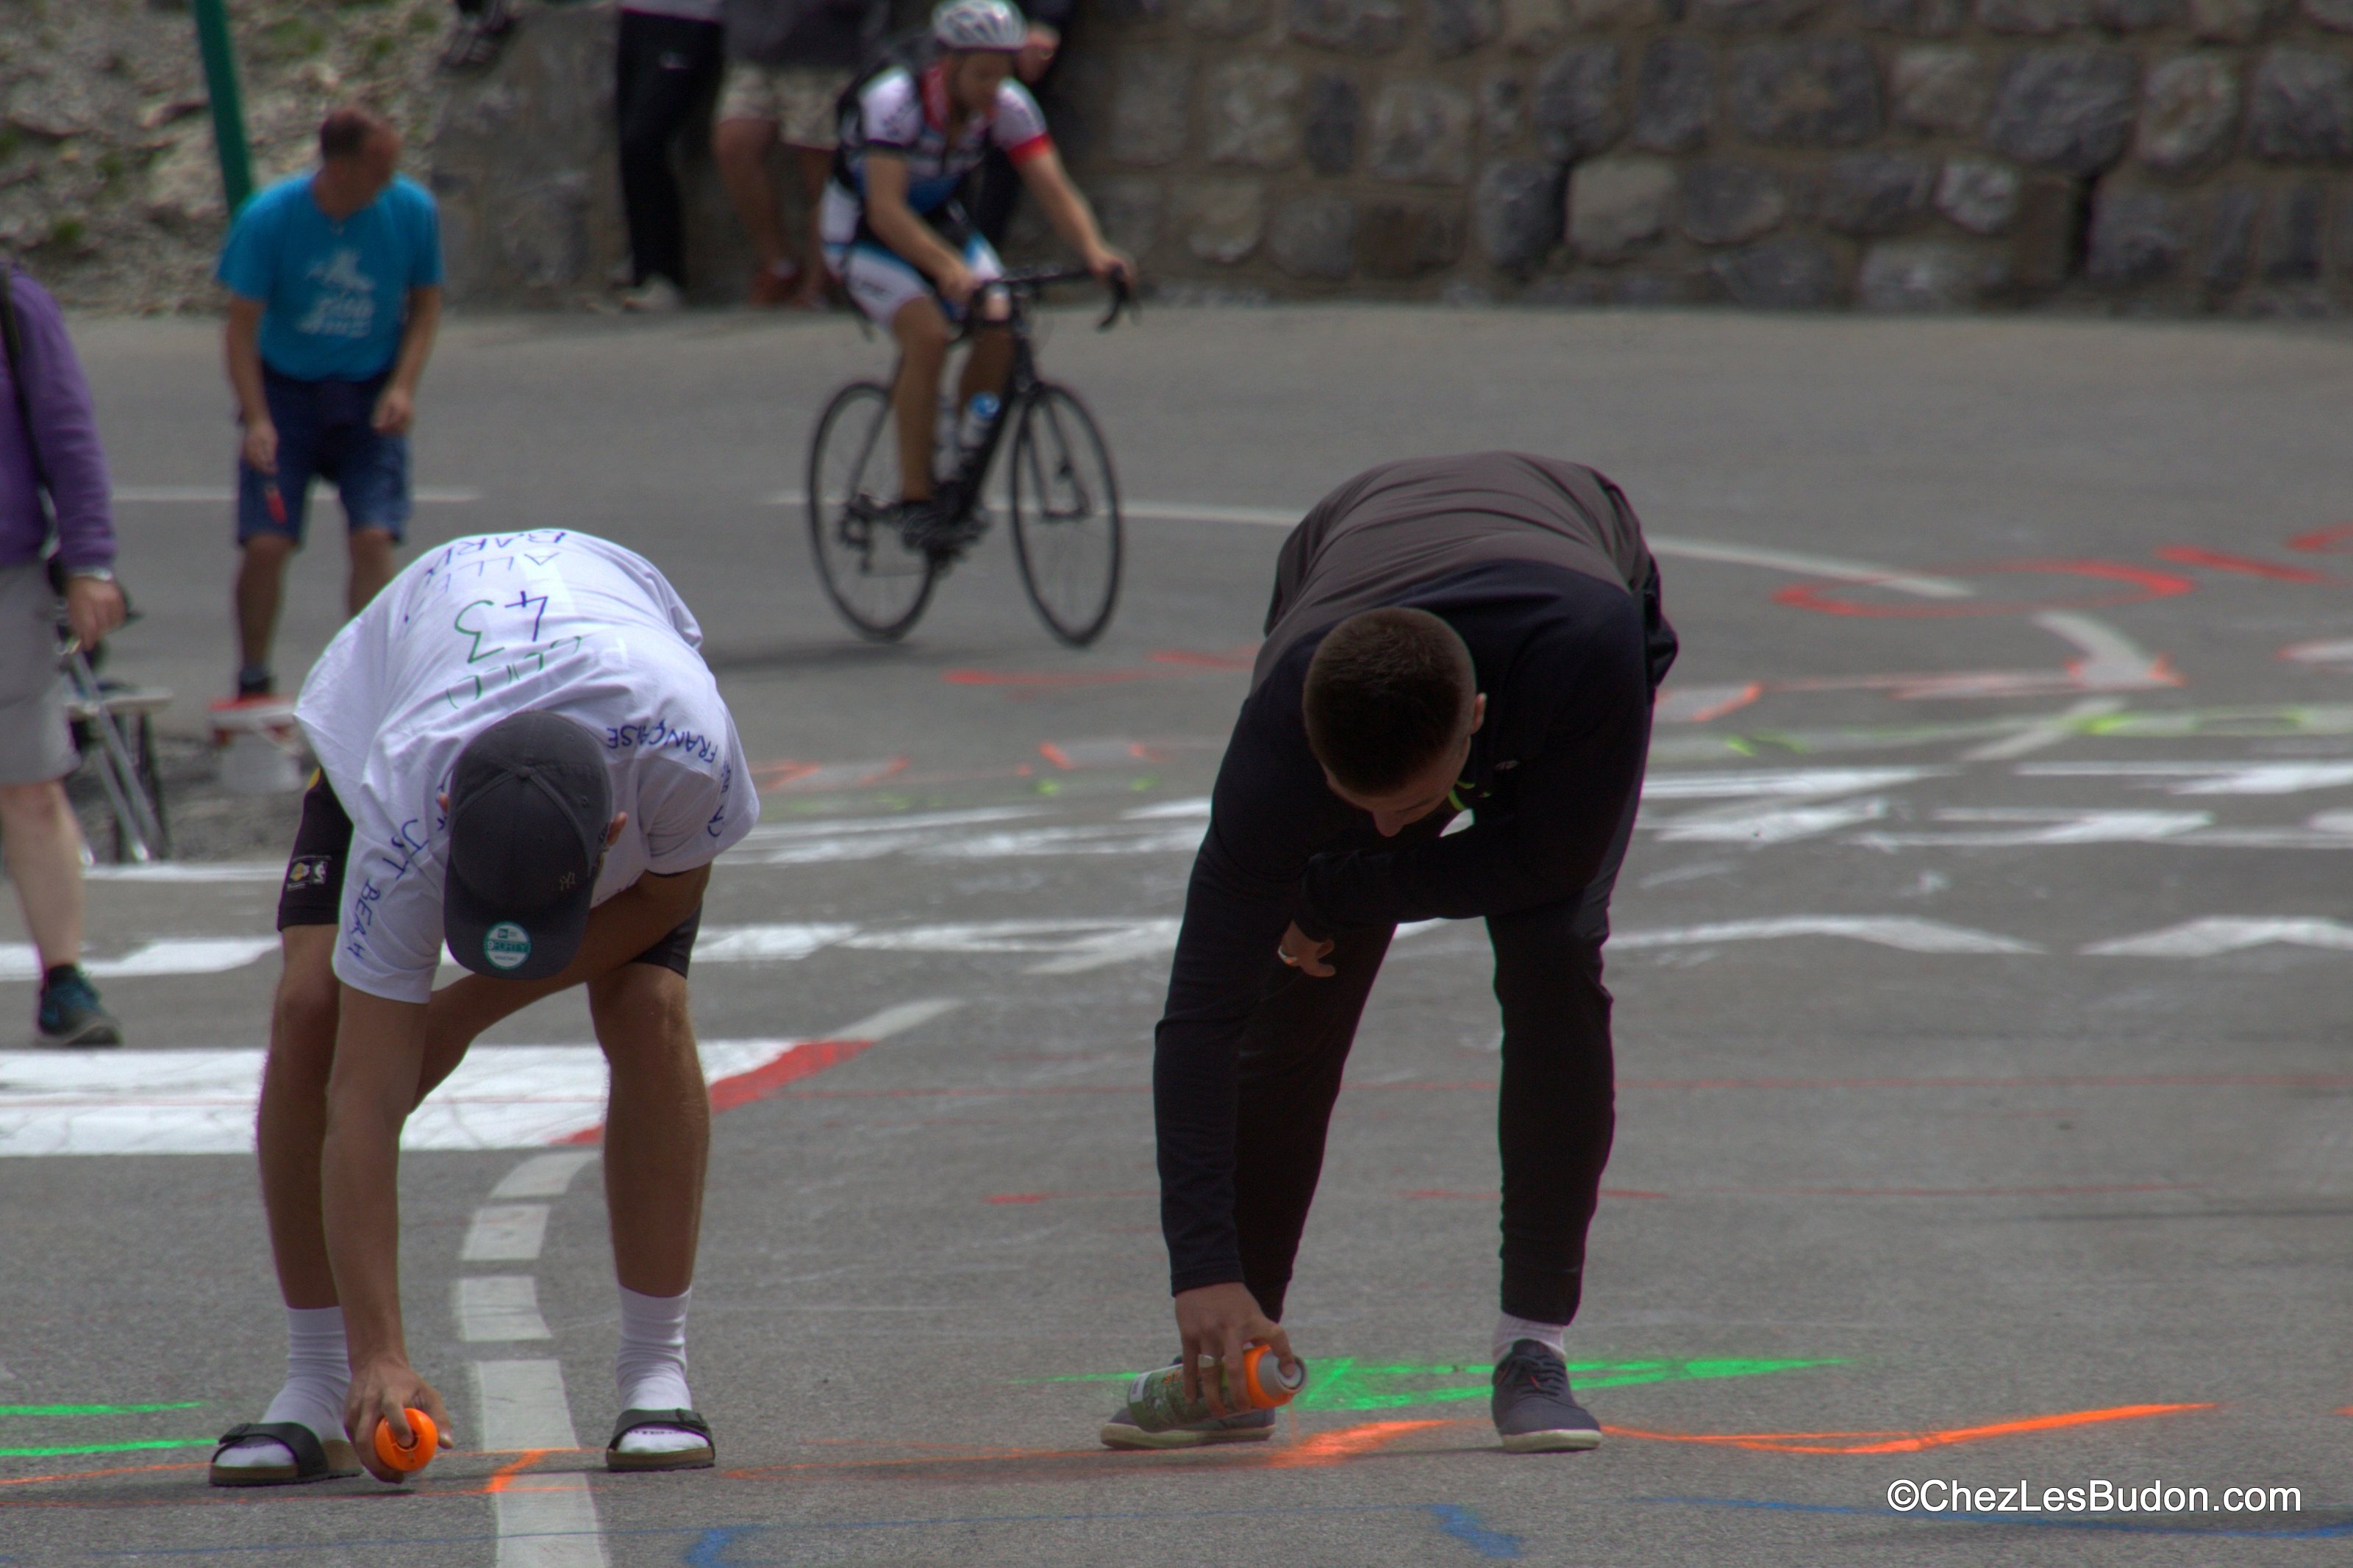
1569 662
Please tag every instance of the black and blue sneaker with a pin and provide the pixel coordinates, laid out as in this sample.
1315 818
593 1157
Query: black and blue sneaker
1535 1413
70 1014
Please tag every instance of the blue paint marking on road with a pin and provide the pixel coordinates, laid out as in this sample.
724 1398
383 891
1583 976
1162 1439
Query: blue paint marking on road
1464 1526
2339 1531
710 1548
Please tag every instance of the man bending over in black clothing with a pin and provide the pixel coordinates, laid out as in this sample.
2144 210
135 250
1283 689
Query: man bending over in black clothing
1477 633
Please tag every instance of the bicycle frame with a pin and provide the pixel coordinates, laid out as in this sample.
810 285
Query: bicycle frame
960 492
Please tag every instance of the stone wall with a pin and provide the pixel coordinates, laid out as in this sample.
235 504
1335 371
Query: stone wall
526 168
2159 156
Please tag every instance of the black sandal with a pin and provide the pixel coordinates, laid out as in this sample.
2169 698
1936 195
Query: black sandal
313 1460
701 1458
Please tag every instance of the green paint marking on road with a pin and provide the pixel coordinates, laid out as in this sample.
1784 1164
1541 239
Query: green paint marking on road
57 1450
96 1409
1339 1383
1342 1385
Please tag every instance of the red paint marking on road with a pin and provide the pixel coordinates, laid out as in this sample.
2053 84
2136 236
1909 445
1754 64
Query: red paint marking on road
1678 706
2142 584
2245 565
1056 756
805 1058
768 778
1347 1443
1905 1442
2323 541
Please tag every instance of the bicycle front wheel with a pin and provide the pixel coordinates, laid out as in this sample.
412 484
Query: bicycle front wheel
878 583
1065 505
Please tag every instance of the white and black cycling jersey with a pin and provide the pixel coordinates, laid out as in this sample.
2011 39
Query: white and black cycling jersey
906 114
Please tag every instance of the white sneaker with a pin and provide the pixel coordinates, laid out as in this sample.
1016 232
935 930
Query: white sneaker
655 297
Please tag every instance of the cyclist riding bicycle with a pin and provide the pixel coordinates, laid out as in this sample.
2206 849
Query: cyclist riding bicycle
900 243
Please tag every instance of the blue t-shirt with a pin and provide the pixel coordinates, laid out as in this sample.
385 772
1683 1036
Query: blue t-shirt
334 295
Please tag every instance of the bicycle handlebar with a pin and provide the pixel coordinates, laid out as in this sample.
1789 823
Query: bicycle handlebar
1030 279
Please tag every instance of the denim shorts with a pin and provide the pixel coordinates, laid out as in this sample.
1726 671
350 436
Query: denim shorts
323 430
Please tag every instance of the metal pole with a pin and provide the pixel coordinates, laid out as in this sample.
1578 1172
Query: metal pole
228 108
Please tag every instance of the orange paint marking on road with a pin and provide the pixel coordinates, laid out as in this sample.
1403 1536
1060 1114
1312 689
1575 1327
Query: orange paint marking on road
94 1474
1347 1443
1905 1442
504 1476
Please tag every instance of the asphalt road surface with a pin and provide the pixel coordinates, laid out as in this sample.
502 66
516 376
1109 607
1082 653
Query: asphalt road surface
1981 973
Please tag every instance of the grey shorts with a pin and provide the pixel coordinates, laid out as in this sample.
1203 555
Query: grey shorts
39 746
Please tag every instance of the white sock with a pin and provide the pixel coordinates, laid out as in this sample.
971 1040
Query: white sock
1509 1330
650 1369
318 1376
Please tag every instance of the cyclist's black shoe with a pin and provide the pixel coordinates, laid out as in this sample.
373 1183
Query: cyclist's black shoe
70 1014
917 523
1535 1413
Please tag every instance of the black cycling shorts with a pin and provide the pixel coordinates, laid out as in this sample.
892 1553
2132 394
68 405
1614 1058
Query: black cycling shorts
313 891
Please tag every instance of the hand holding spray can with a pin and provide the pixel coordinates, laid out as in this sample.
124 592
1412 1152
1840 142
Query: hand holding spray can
1157 1401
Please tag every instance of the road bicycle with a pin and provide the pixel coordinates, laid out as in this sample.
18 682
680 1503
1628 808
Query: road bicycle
1059 490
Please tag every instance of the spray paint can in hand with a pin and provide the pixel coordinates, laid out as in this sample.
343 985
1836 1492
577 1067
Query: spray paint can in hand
1157 1401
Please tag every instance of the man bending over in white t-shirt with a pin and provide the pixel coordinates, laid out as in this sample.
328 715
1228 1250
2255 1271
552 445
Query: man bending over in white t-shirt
521 753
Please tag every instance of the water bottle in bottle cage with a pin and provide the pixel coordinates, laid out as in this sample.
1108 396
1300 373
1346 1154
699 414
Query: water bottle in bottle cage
978 415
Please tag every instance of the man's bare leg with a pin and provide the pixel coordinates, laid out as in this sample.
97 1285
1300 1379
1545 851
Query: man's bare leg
372 566
740 148
814 166
657 1147
261 585
42 840
986 367
923 337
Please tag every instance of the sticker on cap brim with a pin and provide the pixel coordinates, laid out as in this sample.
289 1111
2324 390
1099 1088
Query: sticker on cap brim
506 945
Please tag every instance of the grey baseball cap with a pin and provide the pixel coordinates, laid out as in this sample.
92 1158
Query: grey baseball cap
529 804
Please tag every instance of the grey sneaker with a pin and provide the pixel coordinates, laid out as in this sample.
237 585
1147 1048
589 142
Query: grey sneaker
1250 1427
1534 1411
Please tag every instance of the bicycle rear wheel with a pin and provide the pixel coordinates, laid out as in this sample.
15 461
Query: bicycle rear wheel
878 583
1065 504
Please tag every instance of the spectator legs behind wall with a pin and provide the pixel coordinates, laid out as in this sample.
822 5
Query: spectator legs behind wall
665 66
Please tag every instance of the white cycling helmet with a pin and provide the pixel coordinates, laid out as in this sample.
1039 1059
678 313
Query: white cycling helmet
994 25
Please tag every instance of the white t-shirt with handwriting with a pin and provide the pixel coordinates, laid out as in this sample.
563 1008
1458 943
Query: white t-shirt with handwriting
477 629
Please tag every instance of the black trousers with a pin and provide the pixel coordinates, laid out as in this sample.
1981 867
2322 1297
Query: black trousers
1555 1112
664 68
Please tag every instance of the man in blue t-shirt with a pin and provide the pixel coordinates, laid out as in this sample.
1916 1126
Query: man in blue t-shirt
335 285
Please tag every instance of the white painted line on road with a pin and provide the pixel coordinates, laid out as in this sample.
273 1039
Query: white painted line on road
1785 783
202 1101
543 1175
2219 935
898 1018
1916 584
1773 825
2208 778
914 821
1197 806
767 943
544 1521
2026 826
2044 733
189 871
1909 935
1203 511
491 1307
172 956
505 1232
173 495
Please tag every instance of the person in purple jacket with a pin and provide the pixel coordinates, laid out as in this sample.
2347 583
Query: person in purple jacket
49 462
